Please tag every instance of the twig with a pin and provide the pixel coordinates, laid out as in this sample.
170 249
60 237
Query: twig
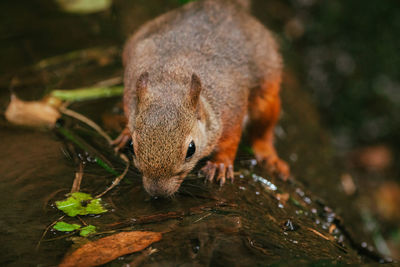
49 197
76 185
171 215
87 121
110 82
118 179
137 261
319 234
202 218
92 53
46 230
82 221
257 247
59 237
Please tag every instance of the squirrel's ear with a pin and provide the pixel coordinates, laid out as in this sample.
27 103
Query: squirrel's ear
141 85
195 89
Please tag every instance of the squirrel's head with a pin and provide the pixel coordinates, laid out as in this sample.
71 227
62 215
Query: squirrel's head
168 133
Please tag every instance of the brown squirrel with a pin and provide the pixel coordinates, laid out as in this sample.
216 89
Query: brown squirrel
193 76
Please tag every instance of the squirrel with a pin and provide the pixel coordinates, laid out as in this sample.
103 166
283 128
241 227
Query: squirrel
193 77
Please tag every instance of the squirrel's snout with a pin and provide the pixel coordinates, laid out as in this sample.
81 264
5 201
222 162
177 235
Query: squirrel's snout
161 187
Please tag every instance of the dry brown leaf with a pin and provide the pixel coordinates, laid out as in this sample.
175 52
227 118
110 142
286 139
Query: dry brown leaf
33 113
109 248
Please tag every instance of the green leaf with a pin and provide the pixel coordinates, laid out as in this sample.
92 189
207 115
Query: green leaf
66 227
88 230
95 207
84 6
80 204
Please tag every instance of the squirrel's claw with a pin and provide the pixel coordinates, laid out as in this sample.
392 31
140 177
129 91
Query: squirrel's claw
275 165
224 172
209 171
121 141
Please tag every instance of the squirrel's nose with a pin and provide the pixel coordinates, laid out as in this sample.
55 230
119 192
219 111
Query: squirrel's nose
160 187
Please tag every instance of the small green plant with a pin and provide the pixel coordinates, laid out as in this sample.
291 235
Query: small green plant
67 227
79 203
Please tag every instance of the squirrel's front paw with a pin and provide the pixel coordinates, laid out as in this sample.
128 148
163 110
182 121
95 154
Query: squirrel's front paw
274 164
121 141
219 170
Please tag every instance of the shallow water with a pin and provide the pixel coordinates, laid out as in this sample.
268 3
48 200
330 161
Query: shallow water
240 224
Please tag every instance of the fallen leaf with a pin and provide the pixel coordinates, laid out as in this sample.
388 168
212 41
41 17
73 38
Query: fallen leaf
31 113
109 248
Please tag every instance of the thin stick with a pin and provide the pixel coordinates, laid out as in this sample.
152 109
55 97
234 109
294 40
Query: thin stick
93 53
138 261
319 234
118 179
205 216
155 218
82 221
50 197
86 120
59 237
110 82
76 185
46 230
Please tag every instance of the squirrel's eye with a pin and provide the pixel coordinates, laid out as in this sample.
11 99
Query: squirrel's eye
130 148
191 150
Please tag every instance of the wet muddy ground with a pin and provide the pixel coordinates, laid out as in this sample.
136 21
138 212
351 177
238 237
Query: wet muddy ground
257 220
